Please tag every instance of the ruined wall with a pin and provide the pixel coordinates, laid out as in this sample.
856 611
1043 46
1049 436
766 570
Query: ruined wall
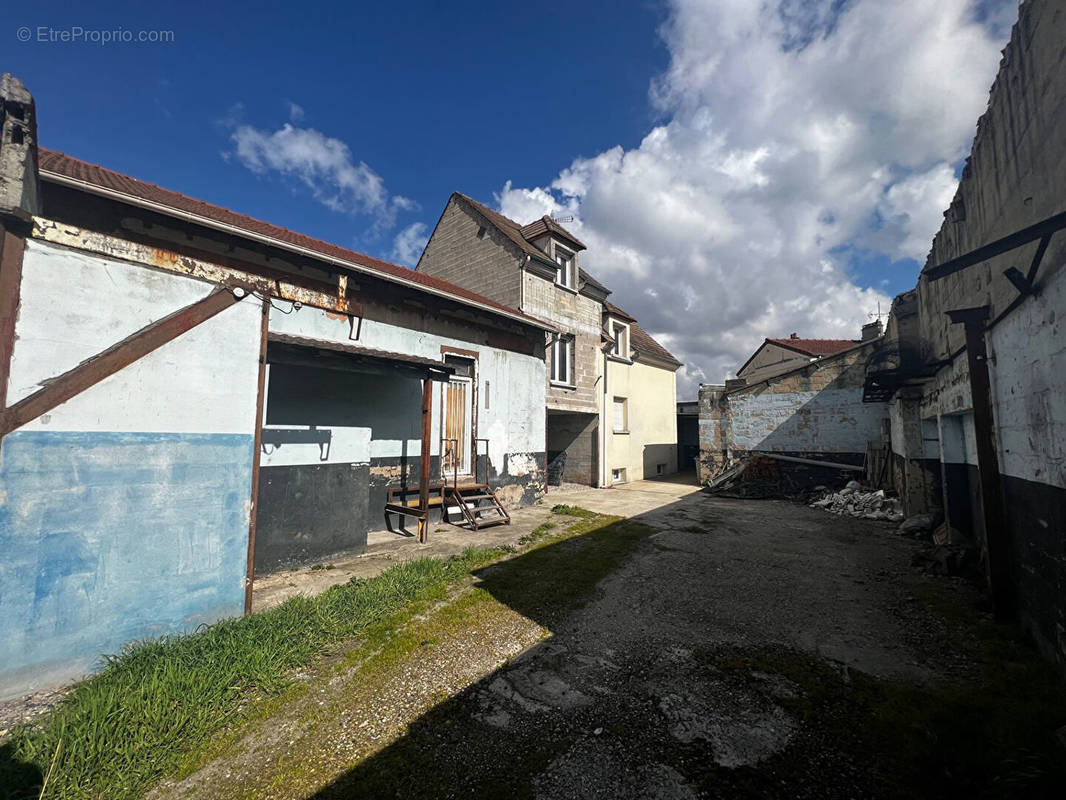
470 253
125 509
1014 178
815 411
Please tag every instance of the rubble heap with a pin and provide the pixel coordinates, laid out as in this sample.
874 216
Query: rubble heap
854 502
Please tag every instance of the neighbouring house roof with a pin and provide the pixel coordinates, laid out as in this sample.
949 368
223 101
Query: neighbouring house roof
67 170
813 348
548 225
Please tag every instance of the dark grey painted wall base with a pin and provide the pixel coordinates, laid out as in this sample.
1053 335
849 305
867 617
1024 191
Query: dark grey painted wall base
309 511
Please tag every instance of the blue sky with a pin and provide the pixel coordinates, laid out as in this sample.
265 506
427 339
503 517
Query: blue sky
739 169
434 97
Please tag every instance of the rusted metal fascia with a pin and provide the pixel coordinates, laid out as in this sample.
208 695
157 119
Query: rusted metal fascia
423 464
169 261
1041 230
12 246
134 347
993 507
260 402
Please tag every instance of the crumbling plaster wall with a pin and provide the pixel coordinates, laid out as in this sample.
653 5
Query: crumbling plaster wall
125 509
816 411
1014 178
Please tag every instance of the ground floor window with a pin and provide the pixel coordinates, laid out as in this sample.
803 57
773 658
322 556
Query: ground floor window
618 475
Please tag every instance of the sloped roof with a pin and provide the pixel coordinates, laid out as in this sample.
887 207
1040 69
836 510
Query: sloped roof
611 308
516 234
63 165
815 347
548 225
642 341
639 339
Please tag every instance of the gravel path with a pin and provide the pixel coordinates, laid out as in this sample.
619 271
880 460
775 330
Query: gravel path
655 688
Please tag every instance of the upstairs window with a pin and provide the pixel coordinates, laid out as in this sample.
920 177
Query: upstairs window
620 333
562 360
564 271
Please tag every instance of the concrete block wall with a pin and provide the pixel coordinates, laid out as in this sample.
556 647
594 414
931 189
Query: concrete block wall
124 511
467 251
580 317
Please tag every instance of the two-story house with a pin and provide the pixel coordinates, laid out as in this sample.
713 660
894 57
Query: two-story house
535 267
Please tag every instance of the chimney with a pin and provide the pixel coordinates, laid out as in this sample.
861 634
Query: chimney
19 193
872 330
794 336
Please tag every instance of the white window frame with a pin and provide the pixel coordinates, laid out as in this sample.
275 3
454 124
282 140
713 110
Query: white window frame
565 267
620 333
622 402
559 377
618 475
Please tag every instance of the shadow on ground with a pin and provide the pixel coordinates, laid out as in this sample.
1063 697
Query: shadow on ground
699 669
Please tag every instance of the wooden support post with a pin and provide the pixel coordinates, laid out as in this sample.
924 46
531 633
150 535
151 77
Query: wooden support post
93 370
12 247
260 402
993 508
423 464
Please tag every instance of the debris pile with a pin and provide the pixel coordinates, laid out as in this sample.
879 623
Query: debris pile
854 502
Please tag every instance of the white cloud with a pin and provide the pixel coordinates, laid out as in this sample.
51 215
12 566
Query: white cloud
408 245
296 112
792 130
324 165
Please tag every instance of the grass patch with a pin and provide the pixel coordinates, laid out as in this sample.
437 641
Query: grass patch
154 705
573 511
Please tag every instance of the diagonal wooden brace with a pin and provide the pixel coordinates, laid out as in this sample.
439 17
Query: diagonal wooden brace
134 347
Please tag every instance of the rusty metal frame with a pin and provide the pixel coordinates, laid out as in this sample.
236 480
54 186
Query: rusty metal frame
260 403
12 248
993 505
1042 230
423 464
134 347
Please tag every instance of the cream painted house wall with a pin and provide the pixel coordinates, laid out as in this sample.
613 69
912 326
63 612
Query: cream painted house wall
651 402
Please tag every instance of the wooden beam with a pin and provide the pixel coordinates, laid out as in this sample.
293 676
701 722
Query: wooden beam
260 402
993 508
423 464
93 370
12 247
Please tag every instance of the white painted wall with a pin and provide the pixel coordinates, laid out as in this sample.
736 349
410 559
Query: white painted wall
514 419
74 305
1027 351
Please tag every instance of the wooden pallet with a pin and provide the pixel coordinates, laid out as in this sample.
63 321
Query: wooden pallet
478 504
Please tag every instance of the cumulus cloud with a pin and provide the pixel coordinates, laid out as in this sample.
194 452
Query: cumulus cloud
408 245
323 165
792 132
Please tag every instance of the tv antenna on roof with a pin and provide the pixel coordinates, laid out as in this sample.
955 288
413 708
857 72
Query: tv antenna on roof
878 315
567 218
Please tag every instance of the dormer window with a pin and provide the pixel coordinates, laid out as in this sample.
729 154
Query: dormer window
564 271
620 333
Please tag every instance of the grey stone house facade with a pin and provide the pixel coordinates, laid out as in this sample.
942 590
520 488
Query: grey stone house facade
535 267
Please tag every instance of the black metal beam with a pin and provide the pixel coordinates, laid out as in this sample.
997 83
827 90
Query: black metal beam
1041 230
